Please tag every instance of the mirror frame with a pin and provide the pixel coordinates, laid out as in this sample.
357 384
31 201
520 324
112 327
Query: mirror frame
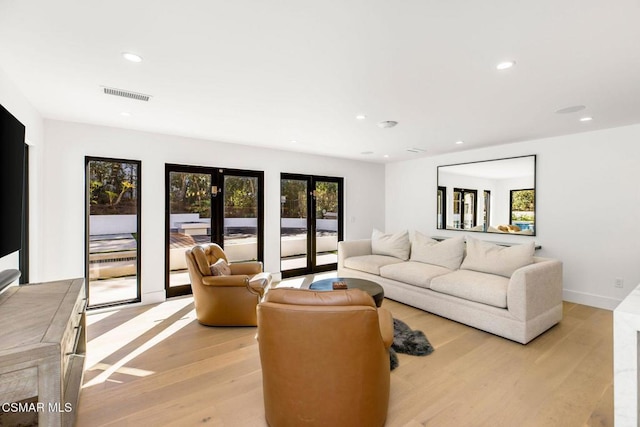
442 200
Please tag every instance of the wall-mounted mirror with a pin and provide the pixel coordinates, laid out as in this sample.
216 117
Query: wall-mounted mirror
491 196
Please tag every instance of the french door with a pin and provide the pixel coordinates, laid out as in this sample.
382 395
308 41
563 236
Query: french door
465 209
311 223
211 205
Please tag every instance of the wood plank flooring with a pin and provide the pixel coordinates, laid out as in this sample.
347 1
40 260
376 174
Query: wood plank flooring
156 366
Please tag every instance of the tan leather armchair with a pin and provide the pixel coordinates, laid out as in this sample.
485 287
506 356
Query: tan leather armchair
225 300
325 358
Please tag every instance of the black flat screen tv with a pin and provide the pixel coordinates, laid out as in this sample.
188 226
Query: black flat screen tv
12 155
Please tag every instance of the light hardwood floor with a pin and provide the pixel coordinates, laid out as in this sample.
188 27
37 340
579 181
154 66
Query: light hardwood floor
156 366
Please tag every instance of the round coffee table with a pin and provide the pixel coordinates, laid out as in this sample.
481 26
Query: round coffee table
372 288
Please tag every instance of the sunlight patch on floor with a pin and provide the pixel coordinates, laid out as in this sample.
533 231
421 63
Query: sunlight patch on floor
164 334
123 370
119 337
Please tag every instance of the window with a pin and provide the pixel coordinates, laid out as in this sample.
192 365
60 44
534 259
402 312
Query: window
522 209
112 231
464 208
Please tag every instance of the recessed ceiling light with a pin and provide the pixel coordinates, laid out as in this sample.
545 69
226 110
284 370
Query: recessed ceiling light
572 109
293 141
505 65
126 114
459 142
386 156
586 119
387 124
131 57
361 117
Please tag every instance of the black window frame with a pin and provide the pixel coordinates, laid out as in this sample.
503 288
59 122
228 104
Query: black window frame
87 212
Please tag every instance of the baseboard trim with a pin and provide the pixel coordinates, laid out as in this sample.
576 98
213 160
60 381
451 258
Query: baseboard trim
592 300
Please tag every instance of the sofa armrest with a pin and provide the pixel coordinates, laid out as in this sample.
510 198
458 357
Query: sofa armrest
237 281
249 267
353 248
535 288
386 326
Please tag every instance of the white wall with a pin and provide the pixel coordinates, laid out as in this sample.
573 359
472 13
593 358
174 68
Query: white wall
63 192
13 100
587 213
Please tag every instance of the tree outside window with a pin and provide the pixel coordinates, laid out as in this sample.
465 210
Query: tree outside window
523 208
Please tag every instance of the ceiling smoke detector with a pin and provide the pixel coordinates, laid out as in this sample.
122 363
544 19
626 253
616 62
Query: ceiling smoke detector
126 93
387 124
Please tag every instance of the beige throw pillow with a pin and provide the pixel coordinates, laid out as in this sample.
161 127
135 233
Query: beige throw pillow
447 253
495 259
220 268
395 245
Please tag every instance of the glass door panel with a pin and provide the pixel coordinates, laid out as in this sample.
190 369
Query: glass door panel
294 232
113 231
311 223
469 216
211 205
326 206
486 210
189 220
457 212
241 217
442 203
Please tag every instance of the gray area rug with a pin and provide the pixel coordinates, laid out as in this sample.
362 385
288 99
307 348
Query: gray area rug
407 341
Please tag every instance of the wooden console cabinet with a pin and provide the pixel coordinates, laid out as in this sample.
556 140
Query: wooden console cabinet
42 347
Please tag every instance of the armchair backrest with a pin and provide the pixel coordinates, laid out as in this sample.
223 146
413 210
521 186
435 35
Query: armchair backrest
323 358
220 300
206 255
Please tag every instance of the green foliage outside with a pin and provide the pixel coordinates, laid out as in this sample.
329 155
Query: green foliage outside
190 193
293 198
240 197
523 205
113 192
326 198
112 188
293 195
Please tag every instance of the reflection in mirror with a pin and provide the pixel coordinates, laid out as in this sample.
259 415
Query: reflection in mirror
442 218
507 196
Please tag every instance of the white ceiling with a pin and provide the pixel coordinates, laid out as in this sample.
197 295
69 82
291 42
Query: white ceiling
266 72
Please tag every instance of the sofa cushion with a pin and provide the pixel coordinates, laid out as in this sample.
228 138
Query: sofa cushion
413 273
395 245
490 258
370 263
473 286
447 253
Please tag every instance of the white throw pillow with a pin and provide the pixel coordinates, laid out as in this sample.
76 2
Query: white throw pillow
495 259
395 245
447 253
220 268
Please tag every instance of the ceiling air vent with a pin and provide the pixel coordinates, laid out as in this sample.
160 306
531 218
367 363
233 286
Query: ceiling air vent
416 150
126 94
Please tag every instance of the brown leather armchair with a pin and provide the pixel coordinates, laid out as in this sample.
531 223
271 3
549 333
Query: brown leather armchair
325 358
228 300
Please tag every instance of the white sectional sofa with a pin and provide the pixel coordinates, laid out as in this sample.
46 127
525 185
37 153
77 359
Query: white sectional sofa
506 291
